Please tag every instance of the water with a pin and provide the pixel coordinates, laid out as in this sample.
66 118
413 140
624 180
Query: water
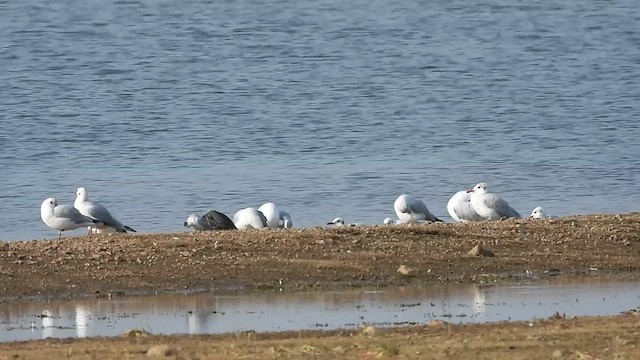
331 108
214 314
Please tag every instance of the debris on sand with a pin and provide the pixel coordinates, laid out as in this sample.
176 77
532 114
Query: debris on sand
480 251
161 350
405 270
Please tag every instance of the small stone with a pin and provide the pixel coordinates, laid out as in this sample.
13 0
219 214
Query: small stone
405 270
161 350
480 251
557 354
436 323
369 331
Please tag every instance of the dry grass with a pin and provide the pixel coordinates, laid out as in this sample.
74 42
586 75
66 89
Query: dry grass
583 338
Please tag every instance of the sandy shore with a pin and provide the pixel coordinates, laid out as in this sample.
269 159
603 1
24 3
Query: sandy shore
599 246
319 258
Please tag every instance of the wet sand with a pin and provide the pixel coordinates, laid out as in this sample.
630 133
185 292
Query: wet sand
603 246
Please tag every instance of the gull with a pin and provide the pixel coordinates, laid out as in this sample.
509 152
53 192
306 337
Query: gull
103 231
390 221
97 211
213 220
412 210
63 217
285 221
249 218
538 213
271 213
490 206
339 222
460 209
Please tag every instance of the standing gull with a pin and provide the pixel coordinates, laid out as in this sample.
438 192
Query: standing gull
98 212
460 209
213 220
63 217
271 213
413 210
490 206
249 218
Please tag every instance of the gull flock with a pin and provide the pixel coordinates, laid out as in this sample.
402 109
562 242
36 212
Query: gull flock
475 204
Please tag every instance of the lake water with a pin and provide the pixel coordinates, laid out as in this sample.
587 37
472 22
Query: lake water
327 108
222 313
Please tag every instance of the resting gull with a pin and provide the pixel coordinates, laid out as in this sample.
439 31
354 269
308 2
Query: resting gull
249 218
97 211
213 220
538 213
460 209
271 213
413 210
490 206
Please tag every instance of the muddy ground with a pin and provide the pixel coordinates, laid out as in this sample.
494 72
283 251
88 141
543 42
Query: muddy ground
558 338
319 258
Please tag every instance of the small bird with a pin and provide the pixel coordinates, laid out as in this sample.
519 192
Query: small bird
271 213
213 220
63 217
98 212
412 210
249 218
460 209
538 213
490 206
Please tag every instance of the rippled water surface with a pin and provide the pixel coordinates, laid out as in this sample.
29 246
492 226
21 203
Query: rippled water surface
214 314
329 108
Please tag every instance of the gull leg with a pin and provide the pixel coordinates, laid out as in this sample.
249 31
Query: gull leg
59 234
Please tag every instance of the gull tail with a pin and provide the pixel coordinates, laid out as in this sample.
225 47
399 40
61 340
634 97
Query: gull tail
129 228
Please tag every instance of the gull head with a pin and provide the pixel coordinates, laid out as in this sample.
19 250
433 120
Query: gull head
191 220
388 221
46 209
537 213
337 222
49 203
81 193
480 188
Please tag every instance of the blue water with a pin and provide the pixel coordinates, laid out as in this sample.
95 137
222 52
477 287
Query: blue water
327 108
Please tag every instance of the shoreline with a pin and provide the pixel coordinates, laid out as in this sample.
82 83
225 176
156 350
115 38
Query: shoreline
595 246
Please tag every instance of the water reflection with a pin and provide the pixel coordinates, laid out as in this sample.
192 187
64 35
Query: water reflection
211 313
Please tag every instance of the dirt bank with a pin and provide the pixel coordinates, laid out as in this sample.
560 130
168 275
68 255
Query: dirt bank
558 338
602 246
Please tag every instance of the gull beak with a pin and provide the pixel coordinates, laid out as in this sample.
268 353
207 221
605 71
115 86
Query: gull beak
469 191
329 223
